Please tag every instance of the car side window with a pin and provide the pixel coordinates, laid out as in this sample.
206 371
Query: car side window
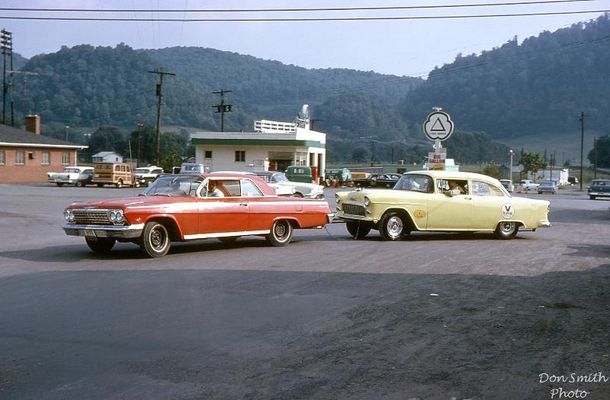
249 189
231 188
484 189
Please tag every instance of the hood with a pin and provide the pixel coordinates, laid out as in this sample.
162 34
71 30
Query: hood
125 202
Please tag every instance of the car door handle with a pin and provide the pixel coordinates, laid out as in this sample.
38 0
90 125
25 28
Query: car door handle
467 198
243 204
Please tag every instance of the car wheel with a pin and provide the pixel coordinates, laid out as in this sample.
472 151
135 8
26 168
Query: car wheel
100 185
358 230
155 240
281 233
100 245
592 197
228 240
81 184
297 194
392 226
507 230
119 184
60 184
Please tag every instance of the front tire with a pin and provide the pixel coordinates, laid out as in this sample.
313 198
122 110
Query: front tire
358 230
155 240
100 245
592 197
119 184
60 184
392 227
281 233
506 230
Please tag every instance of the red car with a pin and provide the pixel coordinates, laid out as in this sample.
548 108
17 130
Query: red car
189 207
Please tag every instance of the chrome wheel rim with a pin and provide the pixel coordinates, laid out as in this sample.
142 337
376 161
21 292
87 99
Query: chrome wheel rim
158 238
394 227
507 227
281 231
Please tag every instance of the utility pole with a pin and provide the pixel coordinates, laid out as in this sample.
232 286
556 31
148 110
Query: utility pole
159 92
582 140
6 42
222 108
594 158
140 127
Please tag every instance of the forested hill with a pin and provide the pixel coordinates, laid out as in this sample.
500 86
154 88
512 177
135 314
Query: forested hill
536 88
92 86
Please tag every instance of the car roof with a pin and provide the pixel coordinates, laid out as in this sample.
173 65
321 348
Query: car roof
453 175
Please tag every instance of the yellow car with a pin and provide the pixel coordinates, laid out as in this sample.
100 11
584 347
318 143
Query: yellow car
441 201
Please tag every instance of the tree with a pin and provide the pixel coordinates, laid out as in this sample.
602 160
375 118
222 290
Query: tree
493 170
108 138
359 154
602 147
532 162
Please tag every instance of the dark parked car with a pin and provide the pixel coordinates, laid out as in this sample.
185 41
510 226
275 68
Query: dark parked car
385 180
547 187
599 188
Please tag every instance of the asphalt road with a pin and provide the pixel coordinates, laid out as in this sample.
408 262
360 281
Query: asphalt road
436 316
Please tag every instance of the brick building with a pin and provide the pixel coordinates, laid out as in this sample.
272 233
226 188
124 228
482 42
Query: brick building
28 156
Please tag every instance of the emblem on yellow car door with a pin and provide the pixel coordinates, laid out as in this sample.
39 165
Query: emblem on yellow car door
419 213
508 211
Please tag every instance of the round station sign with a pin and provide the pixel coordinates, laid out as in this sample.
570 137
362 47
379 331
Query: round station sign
438 126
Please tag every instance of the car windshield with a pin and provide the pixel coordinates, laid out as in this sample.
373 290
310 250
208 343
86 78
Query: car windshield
141 170
547 183
174 185
72 170
415 183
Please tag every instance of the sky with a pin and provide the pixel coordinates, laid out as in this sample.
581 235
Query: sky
409 47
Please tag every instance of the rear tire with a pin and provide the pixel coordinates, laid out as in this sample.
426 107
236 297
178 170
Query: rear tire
119 184
506 230
155 240
281 233
392 227
592 197
297 194
100 245
358 230
60 184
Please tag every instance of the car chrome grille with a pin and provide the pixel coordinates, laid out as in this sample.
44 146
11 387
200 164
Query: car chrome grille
353 209
91 217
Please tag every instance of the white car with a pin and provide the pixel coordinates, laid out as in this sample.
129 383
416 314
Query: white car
74 175
146 175
281 184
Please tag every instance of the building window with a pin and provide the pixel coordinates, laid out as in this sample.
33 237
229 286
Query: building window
20 157
240 156
65 158
2 157
45 158
207 154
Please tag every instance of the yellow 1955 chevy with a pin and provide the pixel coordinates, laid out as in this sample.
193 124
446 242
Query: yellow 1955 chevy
440 201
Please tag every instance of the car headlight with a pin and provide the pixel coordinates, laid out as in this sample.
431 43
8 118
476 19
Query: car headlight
69 215
367 201
337 198
116 216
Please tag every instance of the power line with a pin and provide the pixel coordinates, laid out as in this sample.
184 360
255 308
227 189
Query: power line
256 10
313 19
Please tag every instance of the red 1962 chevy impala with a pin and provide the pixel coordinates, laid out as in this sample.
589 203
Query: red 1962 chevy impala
188 207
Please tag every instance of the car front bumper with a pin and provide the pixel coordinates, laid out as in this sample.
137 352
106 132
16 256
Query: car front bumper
105 231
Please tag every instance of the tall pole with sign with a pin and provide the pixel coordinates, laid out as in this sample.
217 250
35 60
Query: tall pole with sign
437 127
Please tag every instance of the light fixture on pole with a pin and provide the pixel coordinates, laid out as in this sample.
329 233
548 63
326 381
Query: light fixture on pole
510 171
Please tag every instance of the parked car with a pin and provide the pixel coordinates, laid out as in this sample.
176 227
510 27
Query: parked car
363 179
193 168
299 173
525 185
180 208
75 175
117 174
508 185
280 182
384 180
340 175
146 175
433 201
599 188
547 187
